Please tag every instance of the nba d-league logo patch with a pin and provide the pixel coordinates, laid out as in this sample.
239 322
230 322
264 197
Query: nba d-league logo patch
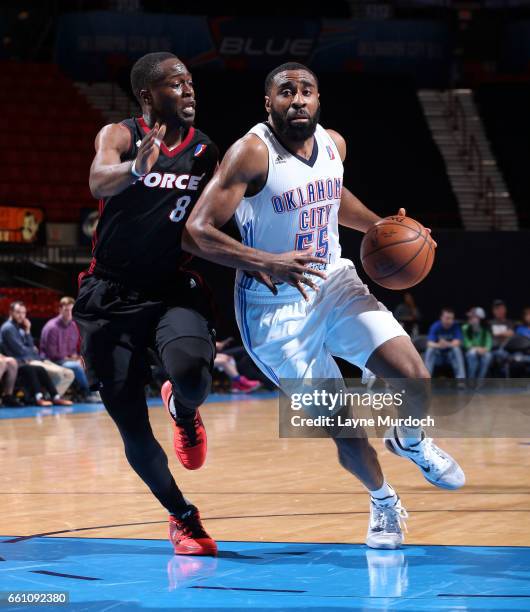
199 150
330 152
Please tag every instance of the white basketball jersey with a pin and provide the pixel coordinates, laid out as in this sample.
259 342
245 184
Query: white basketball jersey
297 208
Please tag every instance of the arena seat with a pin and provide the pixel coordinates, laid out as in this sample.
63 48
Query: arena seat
41 303
46 155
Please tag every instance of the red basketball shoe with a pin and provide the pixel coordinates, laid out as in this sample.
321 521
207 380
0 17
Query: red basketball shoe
189 435
189 537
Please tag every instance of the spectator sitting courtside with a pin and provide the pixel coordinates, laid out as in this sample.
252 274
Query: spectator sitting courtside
227 364
17 342
502 329
443 344
59 342
477 343
524 328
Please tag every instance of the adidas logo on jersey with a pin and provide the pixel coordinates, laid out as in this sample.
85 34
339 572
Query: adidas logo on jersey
279 160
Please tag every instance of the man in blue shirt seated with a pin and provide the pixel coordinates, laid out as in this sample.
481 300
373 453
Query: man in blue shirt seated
443 344
524 329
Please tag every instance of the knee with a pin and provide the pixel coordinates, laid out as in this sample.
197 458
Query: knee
191 381
189 368
222 359
68 374
191 377
11 363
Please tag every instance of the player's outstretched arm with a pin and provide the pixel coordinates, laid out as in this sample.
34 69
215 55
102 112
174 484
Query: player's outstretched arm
244 166
108 174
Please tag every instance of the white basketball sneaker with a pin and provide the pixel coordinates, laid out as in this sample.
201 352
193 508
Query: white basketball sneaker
385 526
437 466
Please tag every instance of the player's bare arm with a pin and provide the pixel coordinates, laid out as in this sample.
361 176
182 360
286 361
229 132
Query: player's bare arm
108 174
243 170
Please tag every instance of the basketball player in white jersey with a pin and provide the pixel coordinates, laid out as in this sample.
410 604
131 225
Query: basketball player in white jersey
298 303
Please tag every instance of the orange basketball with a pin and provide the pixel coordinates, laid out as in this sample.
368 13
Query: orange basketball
397 252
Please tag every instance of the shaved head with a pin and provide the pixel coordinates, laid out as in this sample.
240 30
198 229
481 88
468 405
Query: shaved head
147 70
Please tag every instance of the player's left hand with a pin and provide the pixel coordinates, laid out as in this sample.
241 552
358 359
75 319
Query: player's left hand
403 213
265 279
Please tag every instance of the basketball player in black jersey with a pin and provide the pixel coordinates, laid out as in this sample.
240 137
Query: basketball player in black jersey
147 173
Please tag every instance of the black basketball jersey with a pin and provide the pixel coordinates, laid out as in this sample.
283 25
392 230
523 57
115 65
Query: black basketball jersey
138 237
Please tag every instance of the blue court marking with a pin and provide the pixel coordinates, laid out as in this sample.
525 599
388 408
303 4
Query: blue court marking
122 574
37 411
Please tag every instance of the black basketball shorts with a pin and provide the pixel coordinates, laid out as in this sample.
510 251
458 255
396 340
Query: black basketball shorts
118 325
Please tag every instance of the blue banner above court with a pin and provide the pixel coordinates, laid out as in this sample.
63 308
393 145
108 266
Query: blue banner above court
94 46
421 49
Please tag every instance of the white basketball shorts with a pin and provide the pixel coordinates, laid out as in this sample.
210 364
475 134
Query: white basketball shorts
298 339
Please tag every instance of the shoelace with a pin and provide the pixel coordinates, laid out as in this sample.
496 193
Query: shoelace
390 519
430 450
188 431
190 527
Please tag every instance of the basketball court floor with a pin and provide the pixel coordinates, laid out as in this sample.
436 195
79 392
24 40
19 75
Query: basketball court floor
289 520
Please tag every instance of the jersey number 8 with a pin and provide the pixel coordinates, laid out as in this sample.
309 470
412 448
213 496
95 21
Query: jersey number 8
177 214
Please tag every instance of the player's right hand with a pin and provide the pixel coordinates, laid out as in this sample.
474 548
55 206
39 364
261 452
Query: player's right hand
292 268
149 149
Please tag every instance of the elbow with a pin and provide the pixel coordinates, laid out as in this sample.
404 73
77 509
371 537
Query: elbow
191 237
95 189
195 237
97 186
98 193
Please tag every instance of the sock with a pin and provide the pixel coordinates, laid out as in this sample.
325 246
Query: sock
236 378
38 396
409 436
56 397
385 495
185 413
172 408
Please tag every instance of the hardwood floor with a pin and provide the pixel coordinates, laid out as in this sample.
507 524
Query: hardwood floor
67 473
